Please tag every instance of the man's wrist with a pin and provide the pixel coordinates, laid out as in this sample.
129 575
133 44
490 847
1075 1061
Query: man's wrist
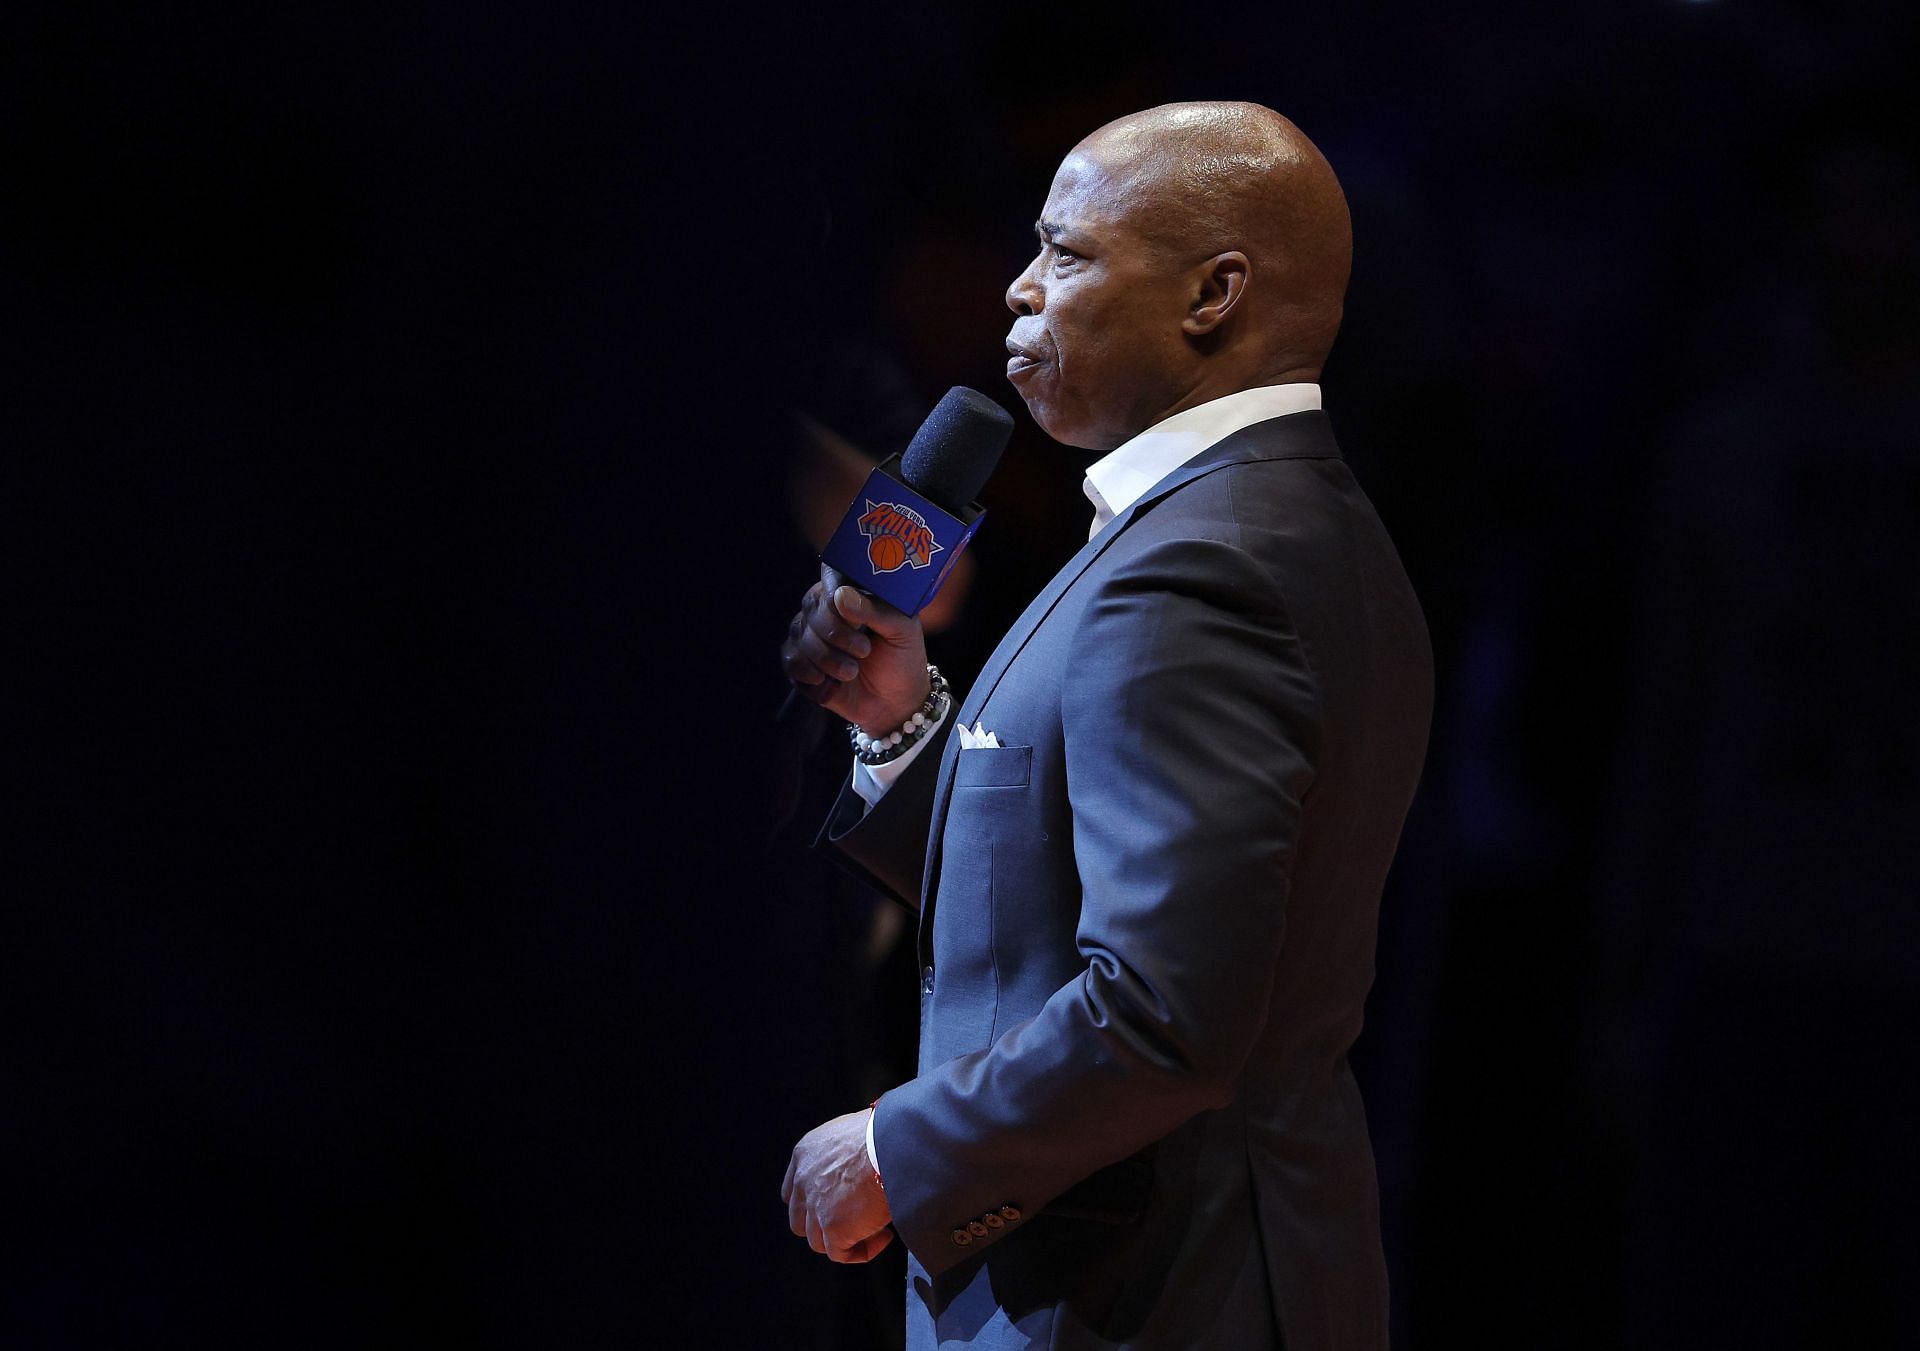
872 748
883 726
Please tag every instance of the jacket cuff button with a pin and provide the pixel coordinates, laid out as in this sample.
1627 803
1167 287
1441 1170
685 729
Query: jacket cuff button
977 1229
1010 1213
962 1237
992 1217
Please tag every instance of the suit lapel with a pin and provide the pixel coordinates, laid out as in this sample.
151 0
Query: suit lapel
1294 437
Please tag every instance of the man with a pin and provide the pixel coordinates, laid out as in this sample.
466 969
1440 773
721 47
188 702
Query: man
1149 843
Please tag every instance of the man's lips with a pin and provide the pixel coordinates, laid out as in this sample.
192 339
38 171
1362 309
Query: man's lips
1021 361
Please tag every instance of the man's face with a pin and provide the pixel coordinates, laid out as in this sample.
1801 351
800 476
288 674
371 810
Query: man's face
1096 350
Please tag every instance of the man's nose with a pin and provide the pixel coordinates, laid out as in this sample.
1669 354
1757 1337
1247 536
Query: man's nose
1025 295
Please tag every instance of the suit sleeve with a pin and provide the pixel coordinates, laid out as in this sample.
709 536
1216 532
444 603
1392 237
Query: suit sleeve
886 846
1192 722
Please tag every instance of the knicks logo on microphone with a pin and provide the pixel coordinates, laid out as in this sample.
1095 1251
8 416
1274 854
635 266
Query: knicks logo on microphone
896 536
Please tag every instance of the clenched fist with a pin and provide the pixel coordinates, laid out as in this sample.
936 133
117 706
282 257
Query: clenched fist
858 657
833 1200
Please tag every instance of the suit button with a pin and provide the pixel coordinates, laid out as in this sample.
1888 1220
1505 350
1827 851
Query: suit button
962 1237
926 980
977 1229
992 1217
1010 1214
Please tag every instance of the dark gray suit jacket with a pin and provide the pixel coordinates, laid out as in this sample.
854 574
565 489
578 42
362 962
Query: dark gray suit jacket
1147 927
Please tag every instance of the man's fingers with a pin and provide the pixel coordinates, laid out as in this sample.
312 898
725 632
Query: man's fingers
867 1248
837 665
798 667
821 645
872 613
816 1236
786 1183
835 631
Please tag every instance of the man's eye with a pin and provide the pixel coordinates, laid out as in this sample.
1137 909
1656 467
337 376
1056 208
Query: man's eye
1061 255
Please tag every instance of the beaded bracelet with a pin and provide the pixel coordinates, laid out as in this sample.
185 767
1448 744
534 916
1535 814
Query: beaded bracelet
878 750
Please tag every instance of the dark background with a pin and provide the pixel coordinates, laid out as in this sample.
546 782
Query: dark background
397 409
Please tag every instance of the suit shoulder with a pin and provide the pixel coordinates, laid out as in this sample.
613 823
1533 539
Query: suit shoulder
1304 523
1254 496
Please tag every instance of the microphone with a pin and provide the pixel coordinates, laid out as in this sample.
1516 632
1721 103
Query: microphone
947 463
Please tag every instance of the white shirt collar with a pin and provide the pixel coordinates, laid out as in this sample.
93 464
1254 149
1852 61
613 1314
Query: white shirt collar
1117 480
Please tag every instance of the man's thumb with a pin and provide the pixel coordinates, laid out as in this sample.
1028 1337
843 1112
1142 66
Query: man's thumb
858 608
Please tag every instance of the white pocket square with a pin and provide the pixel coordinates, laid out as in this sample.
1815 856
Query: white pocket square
974 738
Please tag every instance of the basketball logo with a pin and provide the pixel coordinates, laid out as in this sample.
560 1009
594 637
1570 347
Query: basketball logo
896 536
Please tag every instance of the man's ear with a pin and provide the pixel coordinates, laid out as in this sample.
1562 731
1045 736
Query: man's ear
1219 284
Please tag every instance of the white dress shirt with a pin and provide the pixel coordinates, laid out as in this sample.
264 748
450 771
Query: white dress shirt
1115 482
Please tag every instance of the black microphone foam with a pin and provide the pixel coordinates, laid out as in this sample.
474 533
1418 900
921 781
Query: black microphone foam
954 453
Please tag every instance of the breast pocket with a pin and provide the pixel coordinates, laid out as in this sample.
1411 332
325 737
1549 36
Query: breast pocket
993 767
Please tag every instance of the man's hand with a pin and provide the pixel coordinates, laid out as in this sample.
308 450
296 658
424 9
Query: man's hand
858 657
832 1199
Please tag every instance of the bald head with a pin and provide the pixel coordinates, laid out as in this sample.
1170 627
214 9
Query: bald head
1186 252
1200 179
